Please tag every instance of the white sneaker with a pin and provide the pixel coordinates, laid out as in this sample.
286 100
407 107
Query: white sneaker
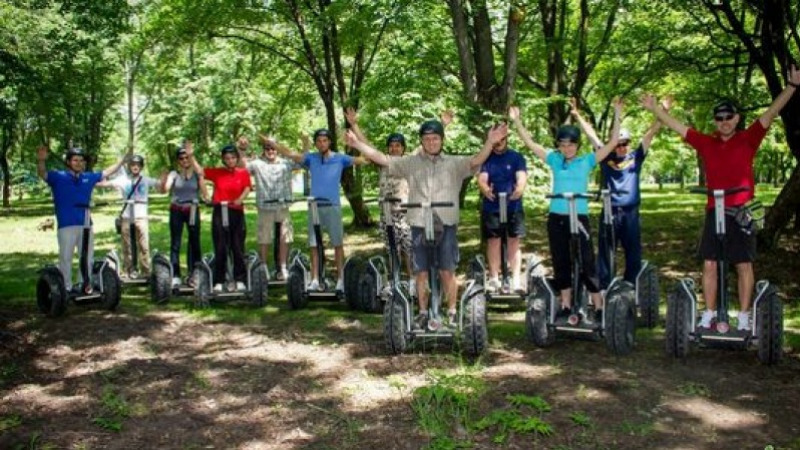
284 273
218 287
340 285
240 286
744 321
313 286
708 316
493 284
176 281
412 287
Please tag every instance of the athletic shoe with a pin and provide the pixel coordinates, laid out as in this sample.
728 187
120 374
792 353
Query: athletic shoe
313 286
283 274
708 316
421 321
563 313
240 286
452 319
493 284
340 285
218 287
516 286
133 275
176 281
744 321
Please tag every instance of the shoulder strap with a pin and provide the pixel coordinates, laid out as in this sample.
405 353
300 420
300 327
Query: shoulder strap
130 194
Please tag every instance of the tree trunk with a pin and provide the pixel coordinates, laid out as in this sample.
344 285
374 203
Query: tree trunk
786 205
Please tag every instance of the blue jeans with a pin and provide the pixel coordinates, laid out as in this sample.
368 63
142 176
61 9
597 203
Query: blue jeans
628 232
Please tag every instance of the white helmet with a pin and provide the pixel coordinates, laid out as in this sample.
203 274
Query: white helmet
624 135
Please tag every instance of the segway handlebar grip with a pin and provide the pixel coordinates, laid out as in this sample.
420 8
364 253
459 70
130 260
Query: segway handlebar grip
431 205
710 192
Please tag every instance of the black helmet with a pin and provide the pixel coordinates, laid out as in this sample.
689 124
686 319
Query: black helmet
322 132
136 159
396 137
179 151
431 127
569 133
75 151
230 148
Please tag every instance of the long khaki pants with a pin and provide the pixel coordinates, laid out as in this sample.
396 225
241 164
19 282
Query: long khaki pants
142 244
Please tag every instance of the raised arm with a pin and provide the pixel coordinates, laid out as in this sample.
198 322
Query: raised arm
365 149
495 135
539 151
584 124
783 98
284 151
655 127
203 188
649 103
604 151
108 171
351 115
195 165
41 156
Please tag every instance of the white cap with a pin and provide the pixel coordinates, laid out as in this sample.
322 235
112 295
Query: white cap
624 135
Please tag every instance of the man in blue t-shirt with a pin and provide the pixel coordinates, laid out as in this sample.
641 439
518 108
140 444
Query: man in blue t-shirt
505 171
325 168
621 171
72 193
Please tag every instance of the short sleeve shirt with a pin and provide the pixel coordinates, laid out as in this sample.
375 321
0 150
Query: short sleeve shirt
729 164
228 184
124 184
71 194
326 174
570 176
432 179
392 186
273 181
501 170
621 174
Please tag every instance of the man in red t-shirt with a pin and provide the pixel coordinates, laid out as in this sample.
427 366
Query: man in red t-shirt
231 184
727 156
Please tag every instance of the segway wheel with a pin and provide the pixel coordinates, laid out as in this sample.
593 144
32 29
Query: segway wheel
679 322
202 290
353 269
295 287
51 294
260 285
111 288
160 282
475 271
770 328
475 333
368 292
620 327
648 300
537 314
394 326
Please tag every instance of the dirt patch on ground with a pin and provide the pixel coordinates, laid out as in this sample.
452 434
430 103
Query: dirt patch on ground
170 380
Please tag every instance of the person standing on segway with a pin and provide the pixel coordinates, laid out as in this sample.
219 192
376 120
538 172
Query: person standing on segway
231 185
433 177
186 186
570 174
325 167
134 187
273 177
505 171
727 156
621 172
72 192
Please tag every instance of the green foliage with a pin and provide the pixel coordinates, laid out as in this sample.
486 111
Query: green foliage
10 421
114 409
524 418
580 418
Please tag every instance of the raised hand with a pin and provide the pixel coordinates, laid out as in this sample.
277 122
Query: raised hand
351 115
189 147
573 105
351 139
447 117
648 101
666 103
794 75
513 113
497 133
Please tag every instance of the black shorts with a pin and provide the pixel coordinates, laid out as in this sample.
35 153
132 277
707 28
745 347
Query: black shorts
740 243
493 229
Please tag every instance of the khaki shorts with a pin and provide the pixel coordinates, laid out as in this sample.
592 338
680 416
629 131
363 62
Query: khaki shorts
266 225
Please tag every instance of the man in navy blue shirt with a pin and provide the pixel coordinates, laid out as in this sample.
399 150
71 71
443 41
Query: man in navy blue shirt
505 171
72 191
621 171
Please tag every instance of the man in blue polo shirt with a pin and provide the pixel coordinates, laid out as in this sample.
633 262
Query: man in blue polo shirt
505 171
325 168
72 191
621 171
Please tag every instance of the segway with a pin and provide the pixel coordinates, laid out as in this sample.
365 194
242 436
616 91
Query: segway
100 282
114 257
275 276
618 322
646 290
471 328
256 287
162 274
297 291
682 329
478 266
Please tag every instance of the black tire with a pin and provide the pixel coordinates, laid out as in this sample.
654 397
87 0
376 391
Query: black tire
679 322
295 287
620 326
475 271
770 328
160 282
202 291
352 275
51 294
475 334
370 299
537 313
112 291
649 300
394 326
260 285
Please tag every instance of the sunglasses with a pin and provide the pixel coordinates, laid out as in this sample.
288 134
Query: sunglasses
723 117
182 158
623 143
269 149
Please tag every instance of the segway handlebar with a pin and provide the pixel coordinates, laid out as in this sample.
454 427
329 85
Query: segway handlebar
282 201
571 195
710 192
428 205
